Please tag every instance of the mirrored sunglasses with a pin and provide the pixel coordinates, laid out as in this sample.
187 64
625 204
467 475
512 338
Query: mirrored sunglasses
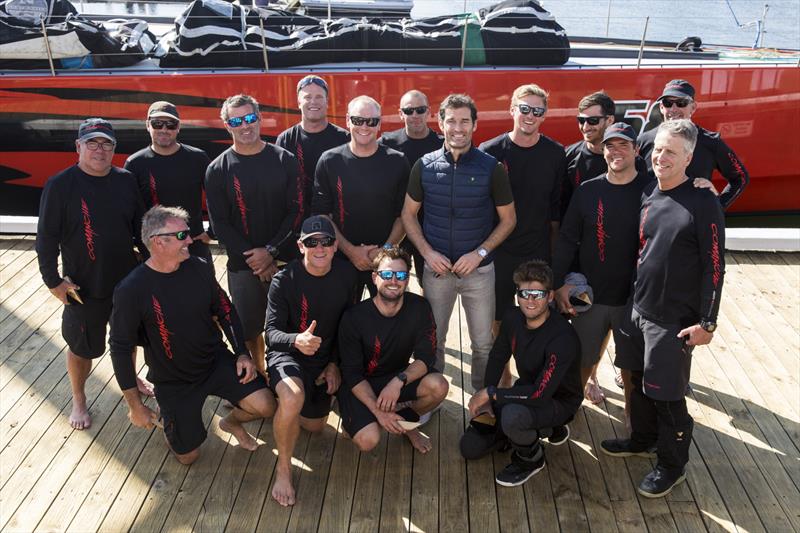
400 275
536 294
235 122
369 121
313 242
157 124
526 109
419 110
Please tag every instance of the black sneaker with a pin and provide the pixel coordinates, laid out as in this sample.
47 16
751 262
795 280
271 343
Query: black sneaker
559 436
658 483
519 471
623 448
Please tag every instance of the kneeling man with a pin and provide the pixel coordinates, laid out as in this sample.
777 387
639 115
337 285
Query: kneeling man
177 305
548 392
377 339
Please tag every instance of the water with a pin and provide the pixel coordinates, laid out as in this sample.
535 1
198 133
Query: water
670 20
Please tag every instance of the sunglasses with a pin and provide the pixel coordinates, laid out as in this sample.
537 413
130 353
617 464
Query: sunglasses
681 102
305 82
536 294
369 121
313 242
400 275
158 124
419 110
593 121
526 109
180 235
235 122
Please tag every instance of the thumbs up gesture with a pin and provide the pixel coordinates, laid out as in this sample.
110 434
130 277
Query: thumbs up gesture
306 342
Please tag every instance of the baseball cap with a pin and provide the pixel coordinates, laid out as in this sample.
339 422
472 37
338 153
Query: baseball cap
96 127
317 225
620 130
677 89
163 109
312 79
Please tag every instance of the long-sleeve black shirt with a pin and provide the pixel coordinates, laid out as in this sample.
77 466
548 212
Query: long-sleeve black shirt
172 180
175 313
364 195
307 148
94 222
412 148
681 263
548 361
600 229
297 298
711 153
252 201
535 174
372 345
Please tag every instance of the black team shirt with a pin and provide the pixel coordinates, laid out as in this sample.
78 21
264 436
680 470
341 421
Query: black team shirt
296 298
412 148
94 222
252 201
681 255
308 147
710 153
535 174
374 346
172 180
600 228
175 311
547 358
364 195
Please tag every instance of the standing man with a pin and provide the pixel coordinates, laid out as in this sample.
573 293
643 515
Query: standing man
171 174
91 212
306 301
599 233
376 341
460 190
309 138
676 299
536 166
414 139
252 202
711 153
361 186
174 299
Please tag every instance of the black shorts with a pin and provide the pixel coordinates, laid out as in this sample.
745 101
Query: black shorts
201 250
282 365
249 297
504 289
356 416
181 404
84 326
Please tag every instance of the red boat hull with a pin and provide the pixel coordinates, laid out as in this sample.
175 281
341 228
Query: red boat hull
757 109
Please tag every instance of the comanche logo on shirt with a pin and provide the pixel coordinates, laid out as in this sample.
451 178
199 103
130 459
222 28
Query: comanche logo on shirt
163 332
153 193
601 231
303 313
376 354
237 191
548 374
88 232
340 197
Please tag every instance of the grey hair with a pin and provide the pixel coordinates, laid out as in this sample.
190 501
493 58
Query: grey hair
683 128
363 99
238 100
157 217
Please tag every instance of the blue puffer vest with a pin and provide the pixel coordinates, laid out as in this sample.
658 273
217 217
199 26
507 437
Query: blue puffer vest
458 210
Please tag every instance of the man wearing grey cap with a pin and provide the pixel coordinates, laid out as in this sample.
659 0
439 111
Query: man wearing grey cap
171 174
676 102
90 213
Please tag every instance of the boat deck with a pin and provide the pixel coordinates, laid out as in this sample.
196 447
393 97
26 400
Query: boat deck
744 472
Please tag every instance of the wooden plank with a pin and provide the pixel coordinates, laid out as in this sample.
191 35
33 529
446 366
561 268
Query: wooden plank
27 362
396 503
18 306
424 514
782 266
18 273
770 286
483 507
366 511
14 248
49 310
512 512
338 500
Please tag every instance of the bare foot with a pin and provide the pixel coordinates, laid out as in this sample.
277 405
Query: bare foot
236 429
594 393
79 418
420 441
282 489
145 387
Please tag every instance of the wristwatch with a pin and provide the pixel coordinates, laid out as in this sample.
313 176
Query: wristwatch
402 377
388 246
708 325
491 391
271 250
483 252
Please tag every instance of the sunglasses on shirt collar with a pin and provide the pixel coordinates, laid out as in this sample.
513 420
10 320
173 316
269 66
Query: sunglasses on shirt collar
235 122
369 121
526 109
180 235
419 110
536 294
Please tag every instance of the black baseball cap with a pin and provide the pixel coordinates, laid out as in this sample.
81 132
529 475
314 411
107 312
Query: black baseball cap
96 127
677 89
620 130
163 109
317 225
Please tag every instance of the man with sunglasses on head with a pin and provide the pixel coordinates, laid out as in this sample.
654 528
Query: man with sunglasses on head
90 213
677 102
170 173
414 139
252 195
548 392
377 339
468 211
306 302
310 137
361 186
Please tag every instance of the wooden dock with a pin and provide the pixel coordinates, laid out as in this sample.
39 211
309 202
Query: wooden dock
744 472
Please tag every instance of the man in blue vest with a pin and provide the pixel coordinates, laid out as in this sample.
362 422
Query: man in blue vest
460 190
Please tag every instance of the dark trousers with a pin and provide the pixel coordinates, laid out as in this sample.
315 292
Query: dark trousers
667 424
